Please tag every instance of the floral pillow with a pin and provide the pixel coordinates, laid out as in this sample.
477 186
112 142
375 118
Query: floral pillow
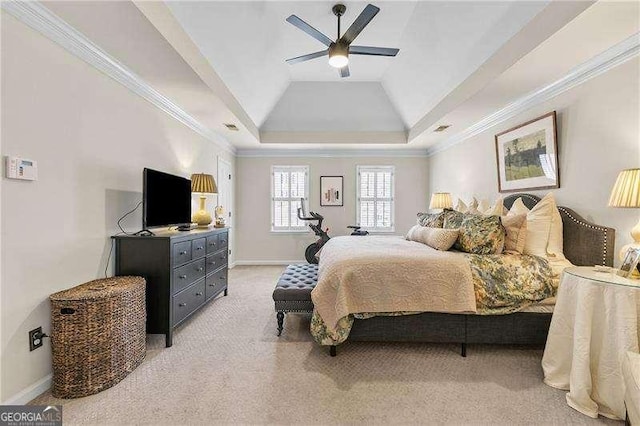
480 235
453 218
435 220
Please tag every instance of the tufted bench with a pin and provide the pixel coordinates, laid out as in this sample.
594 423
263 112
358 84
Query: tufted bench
293 291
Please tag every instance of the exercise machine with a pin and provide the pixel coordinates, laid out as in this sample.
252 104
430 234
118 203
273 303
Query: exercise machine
323 234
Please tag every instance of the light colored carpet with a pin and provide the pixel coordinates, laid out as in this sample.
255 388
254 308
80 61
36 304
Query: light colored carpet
228 366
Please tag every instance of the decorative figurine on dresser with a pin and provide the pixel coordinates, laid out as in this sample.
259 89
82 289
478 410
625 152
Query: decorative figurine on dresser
184 270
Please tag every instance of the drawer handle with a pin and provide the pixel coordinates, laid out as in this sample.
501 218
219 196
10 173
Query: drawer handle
182 253
182 305
200 269
221 278
212 285
198 248
224 241
198 294
212 244
182 277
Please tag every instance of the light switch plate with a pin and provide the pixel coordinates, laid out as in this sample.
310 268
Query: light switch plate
21 168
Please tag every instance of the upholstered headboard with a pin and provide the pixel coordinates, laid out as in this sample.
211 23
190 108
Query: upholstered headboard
585 243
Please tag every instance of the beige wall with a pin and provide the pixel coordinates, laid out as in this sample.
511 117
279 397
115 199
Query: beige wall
255 242
598 135
91 138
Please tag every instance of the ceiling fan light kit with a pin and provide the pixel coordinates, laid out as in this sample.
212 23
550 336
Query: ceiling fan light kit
338 55
339 50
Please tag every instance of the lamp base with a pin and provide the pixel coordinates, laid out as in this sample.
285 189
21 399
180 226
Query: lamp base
202 218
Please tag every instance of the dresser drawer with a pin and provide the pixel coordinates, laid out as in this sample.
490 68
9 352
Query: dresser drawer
216 261
198 248
188 300
223 240
181 253
212 244
187 274
216 283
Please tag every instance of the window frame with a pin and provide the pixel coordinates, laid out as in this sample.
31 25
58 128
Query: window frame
378 168
289 229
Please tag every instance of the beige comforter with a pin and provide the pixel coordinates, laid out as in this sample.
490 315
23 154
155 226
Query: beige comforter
411 276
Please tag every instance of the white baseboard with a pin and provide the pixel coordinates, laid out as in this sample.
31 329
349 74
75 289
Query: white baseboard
266 262
31 392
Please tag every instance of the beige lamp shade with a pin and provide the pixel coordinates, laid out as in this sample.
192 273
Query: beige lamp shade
626 191
203 183
440 200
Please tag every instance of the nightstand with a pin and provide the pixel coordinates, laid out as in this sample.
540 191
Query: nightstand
596 320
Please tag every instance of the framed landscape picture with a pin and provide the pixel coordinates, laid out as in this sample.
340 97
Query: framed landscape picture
331 191
527 155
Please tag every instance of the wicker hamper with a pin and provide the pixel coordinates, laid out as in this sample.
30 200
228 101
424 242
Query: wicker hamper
98 334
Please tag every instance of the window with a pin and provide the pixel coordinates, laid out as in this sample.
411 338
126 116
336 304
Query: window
288 185
375 198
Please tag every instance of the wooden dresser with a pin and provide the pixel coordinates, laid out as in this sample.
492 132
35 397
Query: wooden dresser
184 270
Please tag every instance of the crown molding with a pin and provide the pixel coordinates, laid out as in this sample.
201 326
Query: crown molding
339 137
330 153
41 19
599 64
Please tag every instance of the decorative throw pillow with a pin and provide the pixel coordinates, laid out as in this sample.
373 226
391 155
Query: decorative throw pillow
539 227
483 206
432 220
461 206
452 219
515 227
438 238
481 235
495 210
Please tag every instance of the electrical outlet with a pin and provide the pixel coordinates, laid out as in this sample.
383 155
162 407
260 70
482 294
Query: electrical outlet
35 338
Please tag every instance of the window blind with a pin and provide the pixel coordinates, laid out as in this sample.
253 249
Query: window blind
375 197
289 185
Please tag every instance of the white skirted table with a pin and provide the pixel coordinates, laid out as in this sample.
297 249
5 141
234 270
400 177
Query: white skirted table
596 320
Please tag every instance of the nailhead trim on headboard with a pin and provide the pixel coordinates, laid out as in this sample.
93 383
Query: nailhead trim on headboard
565 210
588 225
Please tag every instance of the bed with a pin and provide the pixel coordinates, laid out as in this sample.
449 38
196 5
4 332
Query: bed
584 244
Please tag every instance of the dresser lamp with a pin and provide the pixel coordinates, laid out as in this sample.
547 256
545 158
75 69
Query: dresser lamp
626 193
203 184
440 200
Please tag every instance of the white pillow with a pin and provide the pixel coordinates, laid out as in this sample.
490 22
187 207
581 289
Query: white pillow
483 206
437 238
496 210
544 227
473 207
461 206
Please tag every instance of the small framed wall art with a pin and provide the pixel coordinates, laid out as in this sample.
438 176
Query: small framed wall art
331 191
527 155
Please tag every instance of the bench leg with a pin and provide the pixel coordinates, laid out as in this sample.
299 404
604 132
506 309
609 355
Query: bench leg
463 351
332 350
280 316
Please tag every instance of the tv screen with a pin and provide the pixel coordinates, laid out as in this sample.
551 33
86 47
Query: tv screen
166 199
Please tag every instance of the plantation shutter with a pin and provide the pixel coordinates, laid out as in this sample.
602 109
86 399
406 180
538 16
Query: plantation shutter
375 197
289 185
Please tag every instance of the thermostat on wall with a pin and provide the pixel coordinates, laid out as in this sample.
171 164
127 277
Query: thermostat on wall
21 168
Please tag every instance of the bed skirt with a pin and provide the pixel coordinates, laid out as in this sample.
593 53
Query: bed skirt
520 328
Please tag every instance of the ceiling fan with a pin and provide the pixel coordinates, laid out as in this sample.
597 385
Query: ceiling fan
340 49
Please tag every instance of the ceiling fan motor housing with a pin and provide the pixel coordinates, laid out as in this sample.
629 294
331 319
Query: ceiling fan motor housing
339 9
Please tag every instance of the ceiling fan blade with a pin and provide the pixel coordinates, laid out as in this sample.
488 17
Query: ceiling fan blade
358 25
344 71
375 51
307 57
294 20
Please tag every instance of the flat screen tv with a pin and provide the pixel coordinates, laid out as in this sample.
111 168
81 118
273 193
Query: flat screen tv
166 199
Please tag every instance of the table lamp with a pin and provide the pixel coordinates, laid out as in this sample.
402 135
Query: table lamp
203 184
626 193
440 200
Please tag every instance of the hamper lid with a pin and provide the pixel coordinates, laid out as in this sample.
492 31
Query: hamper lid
99 289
